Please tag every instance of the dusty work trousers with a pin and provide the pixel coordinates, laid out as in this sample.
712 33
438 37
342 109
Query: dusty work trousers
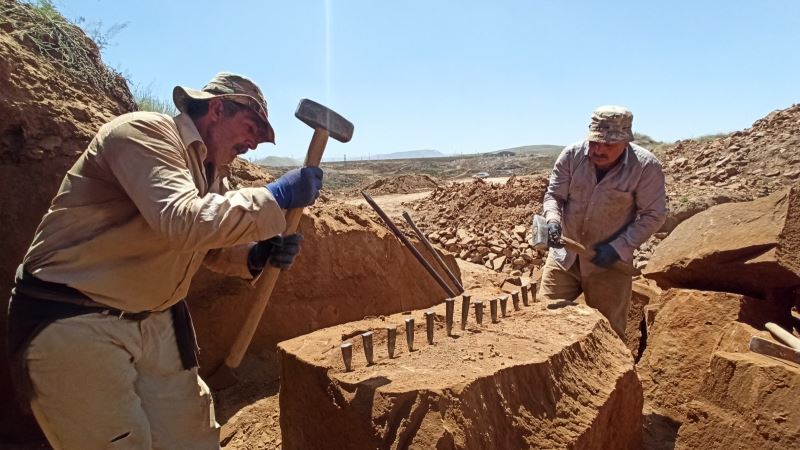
608 291
100 382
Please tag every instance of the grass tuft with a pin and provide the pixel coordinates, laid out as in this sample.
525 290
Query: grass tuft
146 100
38 25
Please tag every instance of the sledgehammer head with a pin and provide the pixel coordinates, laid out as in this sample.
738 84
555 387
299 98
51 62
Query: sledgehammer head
317 116
539 233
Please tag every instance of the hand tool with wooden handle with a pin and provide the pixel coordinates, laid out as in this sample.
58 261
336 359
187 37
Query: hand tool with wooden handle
429 246
784 336
326 123
421 259
539 237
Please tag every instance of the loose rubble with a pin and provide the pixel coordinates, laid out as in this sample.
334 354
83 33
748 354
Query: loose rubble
740 166
486 223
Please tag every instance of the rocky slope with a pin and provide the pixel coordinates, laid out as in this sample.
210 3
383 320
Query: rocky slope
755 161
740 166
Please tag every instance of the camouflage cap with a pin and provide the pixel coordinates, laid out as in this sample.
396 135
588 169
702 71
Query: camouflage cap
233 87
611 124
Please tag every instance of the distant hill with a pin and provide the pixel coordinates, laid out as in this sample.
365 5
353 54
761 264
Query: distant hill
412 154
542 149
278 161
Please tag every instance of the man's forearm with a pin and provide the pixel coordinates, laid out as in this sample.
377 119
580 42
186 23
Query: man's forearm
552 209
231 261
637 233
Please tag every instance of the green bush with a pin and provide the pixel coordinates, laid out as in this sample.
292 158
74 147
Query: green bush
710 137
147 101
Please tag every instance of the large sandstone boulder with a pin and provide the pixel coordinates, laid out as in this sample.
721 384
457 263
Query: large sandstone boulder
350 267
49 111
540 378
681 207
686 332
751 248
747 400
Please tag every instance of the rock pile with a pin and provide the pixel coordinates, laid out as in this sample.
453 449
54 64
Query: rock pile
486 223
756 161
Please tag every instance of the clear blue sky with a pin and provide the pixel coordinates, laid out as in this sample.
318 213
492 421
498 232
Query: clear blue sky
467 76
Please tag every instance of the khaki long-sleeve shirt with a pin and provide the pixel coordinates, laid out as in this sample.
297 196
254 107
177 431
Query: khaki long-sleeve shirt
623 209
135 217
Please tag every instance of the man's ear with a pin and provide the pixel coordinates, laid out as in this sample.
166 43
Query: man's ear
215 109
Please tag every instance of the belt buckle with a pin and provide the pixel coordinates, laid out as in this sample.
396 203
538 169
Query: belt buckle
133 316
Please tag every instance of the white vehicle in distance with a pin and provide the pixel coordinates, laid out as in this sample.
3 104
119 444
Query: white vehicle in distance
481 175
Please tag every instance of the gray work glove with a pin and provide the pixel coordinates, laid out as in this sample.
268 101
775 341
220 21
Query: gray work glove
554 235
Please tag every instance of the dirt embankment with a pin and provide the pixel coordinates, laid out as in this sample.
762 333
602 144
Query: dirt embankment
698 373
350 267
54 94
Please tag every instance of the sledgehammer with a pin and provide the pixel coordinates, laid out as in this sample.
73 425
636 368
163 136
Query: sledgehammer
326 123
539 238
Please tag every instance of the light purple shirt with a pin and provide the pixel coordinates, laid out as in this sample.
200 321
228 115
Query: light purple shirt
624 209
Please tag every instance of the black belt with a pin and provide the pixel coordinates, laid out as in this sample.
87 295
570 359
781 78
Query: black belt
125 315
29 286
36 303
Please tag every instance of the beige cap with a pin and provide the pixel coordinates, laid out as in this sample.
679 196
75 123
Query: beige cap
233 87
611 124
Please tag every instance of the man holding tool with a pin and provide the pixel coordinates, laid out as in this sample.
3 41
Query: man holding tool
101 339
606 194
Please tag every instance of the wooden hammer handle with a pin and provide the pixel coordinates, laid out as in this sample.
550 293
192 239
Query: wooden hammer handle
618 265
266 283
783 336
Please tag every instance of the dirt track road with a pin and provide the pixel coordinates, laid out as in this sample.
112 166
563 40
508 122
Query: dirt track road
495 180
391 204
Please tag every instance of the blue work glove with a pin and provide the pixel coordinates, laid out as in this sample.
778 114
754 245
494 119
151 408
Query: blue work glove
554 235
605 255
279 251
297 188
